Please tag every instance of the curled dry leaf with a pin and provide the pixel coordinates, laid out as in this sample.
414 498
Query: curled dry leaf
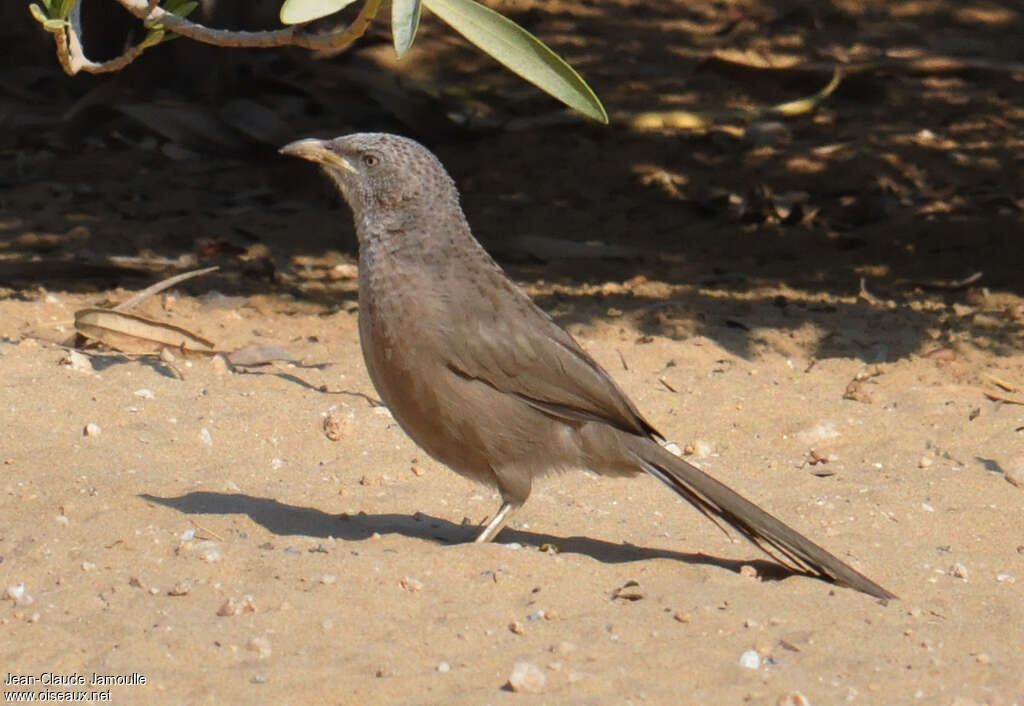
130 333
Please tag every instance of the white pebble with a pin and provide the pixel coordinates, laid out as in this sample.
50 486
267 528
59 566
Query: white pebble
699 448
958 570
261 646
444 667
77 361
673 448
18 594
91 429
750 659
208 551
527 677
204 436
144 393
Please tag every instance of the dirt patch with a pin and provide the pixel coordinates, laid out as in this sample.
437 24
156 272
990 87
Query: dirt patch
794 298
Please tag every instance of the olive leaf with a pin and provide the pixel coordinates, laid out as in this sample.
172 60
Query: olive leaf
297 11
405 20
520 51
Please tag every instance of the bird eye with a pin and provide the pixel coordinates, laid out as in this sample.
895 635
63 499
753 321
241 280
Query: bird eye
371 160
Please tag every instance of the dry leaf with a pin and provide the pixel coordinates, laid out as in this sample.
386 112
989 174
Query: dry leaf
130 333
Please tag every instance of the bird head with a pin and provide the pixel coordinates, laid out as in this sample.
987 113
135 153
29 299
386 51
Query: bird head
380 175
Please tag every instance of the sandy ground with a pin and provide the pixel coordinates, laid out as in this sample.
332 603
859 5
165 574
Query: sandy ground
826 308
345 565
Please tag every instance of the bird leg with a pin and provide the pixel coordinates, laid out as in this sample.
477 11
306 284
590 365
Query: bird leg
494 526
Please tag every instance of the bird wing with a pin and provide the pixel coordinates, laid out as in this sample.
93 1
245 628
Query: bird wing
514 347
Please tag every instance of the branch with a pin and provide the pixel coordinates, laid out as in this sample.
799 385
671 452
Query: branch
71 53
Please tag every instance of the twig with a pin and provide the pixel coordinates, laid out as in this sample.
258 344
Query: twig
999 382
951 284
71 53
996 397
161 286
865 294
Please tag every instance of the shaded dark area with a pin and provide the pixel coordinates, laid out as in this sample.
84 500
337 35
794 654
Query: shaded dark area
907 179
283 519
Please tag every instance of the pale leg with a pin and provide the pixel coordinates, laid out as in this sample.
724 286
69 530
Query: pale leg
495 525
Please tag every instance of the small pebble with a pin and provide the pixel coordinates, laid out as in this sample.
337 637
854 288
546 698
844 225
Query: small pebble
77 361
328 579
673 448
144 393
793 698
182 588
233 607
698 448
259 645
208 551
220 364
410 584
91 429
334 425
19 595
958 570
444 667
1005 578
204 436
527 677
925 462
750 659
516 627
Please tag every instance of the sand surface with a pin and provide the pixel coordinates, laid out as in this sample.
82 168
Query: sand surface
826 308
345 561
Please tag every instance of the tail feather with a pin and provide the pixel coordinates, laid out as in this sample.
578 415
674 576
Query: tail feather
716 500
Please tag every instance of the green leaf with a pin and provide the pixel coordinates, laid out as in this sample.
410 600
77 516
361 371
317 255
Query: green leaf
520 51
184 8
294 12
37 14
63 9
54 25
153 37
405 19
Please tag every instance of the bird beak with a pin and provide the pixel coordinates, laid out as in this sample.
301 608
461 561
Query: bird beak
316 151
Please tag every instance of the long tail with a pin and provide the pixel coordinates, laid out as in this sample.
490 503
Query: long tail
716 500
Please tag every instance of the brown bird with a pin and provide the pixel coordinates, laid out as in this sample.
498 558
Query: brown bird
479 376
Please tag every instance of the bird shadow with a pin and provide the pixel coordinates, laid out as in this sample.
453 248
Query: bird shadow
283 519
